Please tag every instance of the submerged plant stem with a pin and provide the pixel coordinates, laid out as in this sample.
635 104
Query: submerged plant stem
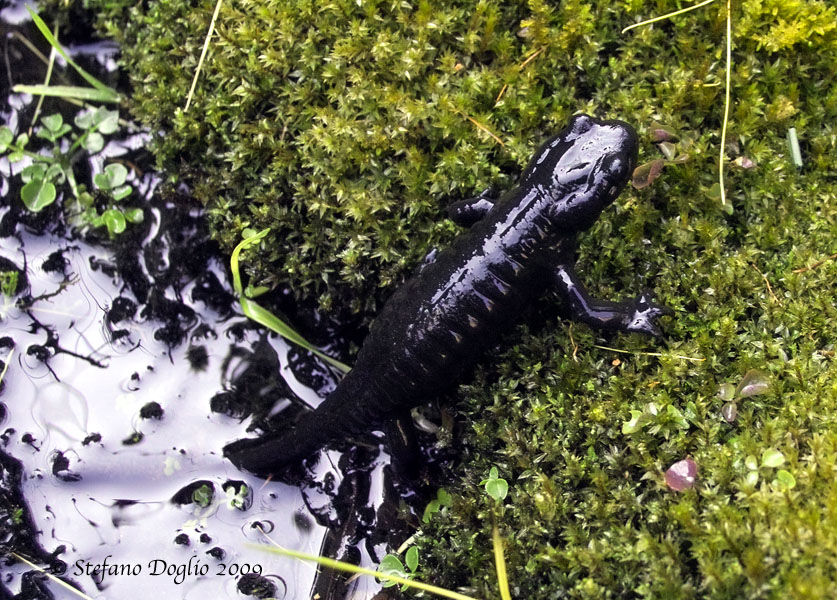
6 366
63 584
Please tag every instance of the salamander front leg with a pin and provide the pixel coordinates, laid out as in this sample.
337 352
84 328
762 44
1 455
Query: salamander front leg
469 211
638 315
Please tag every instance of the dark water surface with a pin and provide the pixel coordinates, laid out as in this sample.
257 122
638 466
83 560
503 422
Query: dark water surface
130 368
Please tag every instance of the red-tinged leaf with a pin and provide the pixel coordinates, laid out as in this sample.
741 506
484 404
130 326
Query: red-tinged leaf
682 475
644 175
662 133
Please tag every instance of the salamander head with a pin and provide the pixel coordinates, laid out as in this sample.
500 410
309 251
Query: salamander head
583 169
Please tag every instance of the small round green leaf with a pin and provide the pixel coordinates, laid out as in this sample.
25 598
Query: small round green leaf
84 119
37 194
107 120
726 392
632 426
668 149
753 383
134 215
113 176
497 489
411 557
114 220
94 143
53 122
772 458
33 172
6 137
392 565
785 479
123 191
55 173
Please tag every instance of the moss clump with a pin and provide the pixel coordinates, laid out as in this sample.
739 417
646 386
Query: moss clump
347 126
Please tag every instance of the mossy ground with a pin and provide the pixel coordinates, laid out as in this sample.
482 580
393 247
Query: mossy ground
348 126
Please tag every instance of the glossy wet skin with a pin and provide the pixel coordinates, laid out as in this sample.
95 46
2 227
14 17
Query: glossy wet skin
439 323
583 169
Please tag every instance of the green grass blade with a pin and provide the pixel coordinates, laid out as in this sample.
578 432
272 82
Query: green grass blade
42 27
239 289
68 91
47 79
263 316
343 566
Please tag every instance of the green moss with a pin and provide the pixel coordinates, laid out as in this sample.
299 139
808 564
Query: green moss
346 127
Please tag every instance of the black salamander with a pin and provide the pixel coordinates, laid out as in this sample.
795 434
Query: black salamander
438 324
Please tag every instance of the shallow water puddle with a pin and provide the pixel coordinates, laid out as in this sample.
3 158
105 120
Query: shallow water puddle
101 464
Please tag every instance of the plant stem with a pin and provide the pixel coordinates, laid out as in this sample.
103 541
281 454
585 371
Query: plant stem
500 560
726 107
667 16
343 566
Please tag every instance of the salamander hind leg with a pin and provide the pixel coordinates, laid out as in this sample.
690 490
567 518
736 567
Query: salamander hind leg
403 444
470 210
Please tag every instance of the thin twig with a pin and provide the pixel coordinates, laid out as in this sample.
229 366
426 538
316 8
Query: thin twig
819 263
572 341
203 53
32 48
520 67
531 58
767 281
500 95
482 127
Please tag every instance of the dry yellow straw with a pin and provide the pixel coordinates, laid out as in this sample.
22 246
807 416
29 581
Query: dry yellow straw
203 53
